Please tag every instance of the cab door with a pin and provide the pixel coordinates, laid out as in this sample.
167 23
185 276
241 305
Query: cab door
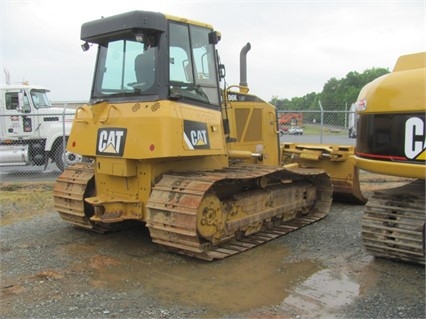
18 117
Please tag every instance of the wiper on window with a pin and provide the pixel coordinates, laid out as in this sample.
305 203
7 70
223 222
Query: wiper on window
181 84
190 91
121 94
138 87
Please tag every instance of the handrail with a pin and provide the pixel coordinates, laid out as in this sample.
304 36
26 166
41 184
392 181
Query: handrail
108 113
243 89
274 121
76 115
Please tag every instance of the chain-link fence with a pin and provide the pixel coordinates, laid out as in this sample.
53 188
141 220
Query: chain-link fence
38 154
33 142
323 127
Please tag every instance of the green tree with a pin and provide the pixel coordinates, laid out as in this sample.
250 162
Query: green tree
336 95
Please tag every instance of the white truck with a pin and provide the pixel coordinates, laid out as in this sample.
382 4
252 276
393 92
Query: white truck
32 132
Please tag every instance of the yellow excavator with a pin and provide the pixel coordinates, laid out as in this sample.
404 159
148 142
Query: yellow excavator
391 140
202 166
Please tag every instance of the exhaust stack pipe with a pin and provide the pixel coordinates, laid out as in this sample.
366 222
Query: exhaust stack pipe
6 71
243 65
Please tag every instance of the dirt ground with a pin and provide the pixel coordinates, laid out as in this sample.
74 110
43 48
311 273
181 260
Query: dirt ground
50 269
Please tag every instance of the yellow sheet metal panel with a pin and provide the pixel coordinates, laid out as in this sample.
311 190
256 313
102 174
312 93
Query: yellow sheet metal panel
392 168
400 91
410 62
147 130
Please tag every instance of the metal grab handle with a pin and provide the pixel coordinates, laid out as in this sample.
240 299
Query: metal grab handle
76 115
274 122
242 89
108 113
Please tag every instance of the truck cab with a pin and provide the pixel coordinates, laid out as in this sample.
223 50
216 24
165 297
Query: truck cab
32 131
19 104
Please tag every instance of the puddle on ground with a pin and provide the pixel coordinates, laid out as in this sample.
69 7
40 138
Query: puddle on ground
258 278
240 283
322 291
243 282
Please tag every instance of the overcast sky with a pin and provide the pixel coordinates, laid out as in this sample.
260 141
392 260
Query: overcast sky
297 46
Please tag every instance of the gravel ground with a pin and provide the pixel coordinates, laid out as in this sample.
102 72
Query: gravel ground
52 270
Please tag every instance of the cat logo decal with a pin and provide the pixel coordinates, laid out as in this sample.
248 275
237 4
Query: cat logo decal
415 139
195 135
111 141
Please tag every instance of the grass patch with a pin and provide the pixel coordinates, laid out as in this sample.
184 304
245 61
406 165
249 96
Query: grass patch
21 201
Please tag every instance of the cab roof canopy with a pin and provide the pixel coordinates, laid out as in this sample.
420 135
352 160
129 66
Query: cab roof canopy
122 26
12 87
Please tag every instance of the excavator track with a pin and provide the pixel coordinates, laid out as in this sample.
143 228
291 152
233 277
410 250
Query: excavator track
393 223
71 187
213 215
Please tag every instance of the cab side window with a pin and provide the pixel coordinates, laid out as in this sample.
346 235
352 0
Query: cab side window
12 101
192 72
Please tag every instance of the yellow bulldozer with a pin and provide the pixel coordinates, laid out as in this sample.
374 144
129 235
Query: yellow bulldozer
199 164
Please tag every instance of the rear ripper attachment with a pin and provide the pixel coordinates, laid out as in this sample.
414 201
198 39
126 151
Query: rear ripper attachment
212 215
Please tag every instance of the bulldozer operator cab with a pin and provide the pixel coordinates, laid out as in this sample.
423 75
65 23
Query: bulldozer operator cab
147 56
